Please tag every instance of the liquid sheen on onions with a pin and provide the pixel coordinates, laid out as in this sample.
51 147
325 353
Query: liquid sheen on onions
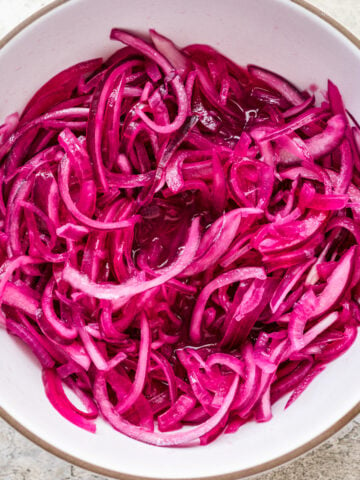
179 239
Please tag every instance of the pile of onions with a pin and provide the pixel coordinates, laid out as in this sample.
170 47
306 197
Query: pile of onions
179 239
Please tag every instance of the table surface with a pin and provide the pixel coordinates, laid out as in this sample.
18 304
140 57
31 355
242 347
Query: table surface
336 459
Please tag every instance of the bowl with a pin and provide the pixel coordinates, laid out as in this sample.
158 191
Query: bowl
280 35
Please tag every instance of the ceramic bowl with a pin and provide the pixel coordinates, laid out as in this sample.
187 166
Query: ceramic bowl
277 34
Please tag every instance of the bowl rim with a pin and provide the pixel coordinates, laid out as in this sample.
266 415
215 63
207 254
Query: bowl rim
239 474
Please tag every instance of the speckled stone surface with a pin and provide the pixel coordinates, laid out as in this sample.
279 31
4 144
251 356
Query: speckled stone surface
336 459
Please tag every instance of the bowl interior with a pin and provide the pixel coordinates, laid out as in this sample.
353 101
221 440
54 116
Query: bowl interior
279 35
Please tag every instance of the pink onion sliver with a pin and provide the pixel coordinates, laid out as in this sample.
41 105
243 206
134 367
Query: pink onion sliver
141 371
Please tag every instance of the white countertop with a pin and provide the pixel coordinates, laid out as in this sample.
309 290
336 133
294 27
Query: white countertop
336 459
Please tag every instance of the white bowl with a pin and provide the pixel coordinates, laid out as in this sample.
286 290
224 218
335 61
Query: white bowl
277 34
